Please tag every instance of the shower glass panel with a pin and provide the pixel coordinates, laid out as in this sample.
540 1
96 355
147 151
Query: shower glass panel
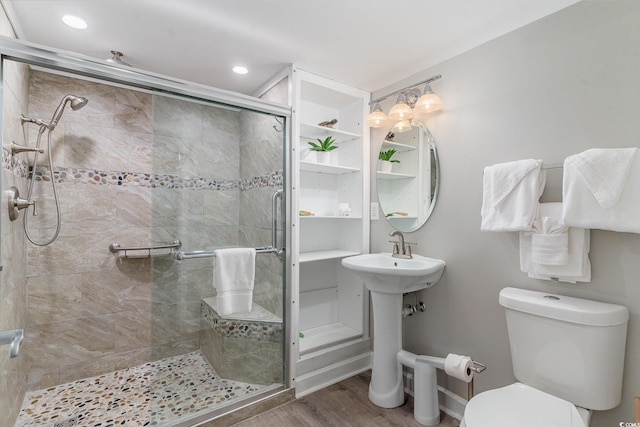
137 339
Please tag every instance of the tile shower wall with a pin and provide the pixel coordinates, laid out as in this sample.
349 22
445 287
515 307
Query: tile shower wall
261 150
13 285
135 169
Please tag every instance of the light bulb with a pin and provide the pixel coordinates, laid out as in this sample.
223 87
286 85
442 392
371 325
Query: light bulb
401 110
402 126
428 102
377 118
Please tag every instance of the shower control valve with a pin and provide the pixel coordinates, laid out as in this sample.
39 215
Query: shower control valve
17 203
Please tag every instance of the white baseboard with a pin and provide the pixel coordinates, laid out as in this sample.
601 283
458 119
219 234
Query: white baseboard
324 377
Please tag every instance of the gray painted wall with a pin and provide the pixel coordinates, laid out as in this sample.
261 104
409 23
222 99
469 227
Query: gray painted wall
556 87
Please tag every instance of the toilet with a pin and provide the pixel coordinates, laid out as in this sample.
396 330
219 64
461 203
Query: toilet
568 357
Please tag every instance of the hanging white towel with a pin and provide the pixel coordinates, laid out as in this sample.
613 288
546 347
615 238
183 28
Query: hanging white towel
550 238
600 190
233 278
511 193
578 266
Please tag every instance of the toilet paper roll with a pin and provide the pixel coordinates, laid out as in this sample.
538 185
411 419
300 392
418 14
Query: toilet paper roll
459 367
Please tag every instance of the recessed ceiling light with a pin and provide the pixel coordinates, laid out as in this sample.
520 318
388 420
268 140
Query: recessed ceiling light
74 22
239 69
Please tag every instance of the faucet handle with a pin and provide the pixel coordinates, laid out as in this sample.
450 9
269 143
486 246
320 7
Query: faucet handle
408 247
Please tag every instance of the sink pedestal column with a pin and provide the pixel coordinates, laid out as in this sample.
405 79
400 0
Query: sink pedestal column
386 388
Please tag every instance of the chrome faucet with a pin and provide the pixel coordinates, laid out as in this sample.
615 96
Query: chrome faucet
401 249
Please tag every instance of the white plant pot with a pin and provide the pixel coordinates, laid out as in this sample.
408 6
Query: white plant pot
323 157
385 166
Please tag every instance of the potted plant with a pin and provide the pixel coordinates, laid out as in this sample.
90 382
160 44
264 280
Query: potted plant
323 149
386 161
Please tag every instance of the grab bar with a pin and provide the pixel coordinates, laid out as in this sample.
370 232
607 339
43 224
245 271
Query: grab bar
209 254
115 248
274 222
13 338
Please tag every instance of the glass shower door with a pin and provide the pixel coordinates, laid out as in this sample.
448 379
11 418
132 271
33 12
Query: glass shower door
134 337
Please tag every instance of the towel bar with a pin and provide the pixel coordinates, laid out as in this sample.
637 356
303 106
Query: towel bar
210 254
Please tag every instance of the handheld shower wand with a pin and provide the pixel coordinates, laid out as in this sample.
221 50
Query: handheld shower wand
76 103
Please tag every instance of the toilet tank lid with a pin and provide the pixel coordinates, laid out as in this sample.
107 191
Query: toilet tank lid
567 309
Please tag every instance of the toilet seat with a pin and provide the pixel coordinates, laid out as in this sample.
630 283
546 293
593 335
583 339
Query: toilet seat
520 405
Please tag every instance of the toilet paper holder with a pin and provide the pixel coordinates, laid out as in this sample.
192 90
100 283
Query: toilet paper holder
476 367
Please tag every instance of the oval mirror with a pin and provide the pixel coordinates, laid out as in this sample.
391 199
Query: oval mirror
408 175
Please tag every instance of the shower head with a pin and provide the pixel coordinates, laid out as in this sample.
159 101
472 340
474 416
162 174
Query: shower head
77 102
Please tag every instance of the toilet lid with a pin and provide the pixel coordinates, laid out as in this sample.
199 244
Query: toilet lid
522 406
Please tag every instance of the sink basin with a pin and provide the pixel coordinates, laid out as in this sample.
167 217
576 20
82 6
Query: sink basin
388 278
386 274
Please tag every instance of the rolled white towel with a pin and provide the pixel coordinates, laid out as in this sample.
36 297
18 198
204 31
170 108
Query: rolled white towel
578 269
550 238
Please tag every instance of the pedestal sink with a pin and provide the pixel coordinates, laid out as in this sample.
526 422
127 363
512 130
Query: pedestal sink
388 278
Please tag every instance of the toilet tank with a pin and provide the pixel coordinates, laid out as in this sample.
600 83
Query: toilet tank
571 348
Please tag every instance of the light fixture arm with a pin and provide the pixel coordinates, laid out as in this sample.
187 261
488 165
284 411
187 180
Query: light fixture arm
404 89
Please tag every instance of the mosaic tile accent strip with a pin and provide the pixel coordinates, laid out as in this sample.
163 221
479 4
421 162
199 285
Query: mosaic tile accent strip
160 393
14 164
256 330
62 175
92 176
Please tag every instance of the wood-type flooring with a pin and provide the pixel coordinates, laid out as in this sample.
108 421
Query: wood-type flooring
344 404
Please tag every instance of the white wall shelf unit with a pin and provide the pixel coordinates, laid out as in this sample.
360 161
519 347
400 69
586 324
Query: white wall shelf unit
324 255
394 176
312 132
331 169
330 304
399 147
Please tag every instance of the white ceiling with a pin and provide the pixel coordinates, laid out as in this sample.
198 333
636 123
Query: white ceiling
365 43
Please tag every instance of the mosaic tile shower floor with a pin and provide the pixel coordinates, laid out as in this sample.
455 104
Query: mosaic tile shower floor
154 394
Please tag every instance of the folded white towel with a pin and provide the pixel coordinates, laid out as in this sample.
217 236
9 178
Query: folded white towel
550 249
578 267
600 190
604 171
233 278
511 193
550 238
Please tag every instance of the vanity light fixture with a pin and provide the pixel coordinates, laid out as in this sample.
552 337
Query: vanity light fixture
401 111
410 101
402 126
377 118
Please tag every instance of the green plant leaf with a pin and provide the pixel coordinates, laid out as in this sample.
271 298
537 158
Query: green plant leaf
387 155
323 145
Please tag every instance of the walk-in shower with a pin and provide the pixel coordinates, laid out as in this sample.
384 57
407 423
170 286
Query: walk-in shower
129 333
16 203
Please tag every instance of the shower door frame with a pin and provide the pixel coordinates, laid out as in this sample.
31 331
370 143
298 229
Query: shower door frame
74 64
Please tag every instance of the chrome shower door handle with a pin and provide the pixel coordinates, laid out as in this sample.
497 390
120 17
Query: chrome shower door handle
279 251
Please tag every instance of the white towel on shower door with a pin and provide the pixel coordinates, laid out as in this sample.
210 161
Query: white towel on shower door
233 277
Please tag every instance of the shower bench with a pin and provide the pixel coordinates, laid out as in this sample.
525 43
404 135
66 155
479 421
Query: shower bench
243 346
